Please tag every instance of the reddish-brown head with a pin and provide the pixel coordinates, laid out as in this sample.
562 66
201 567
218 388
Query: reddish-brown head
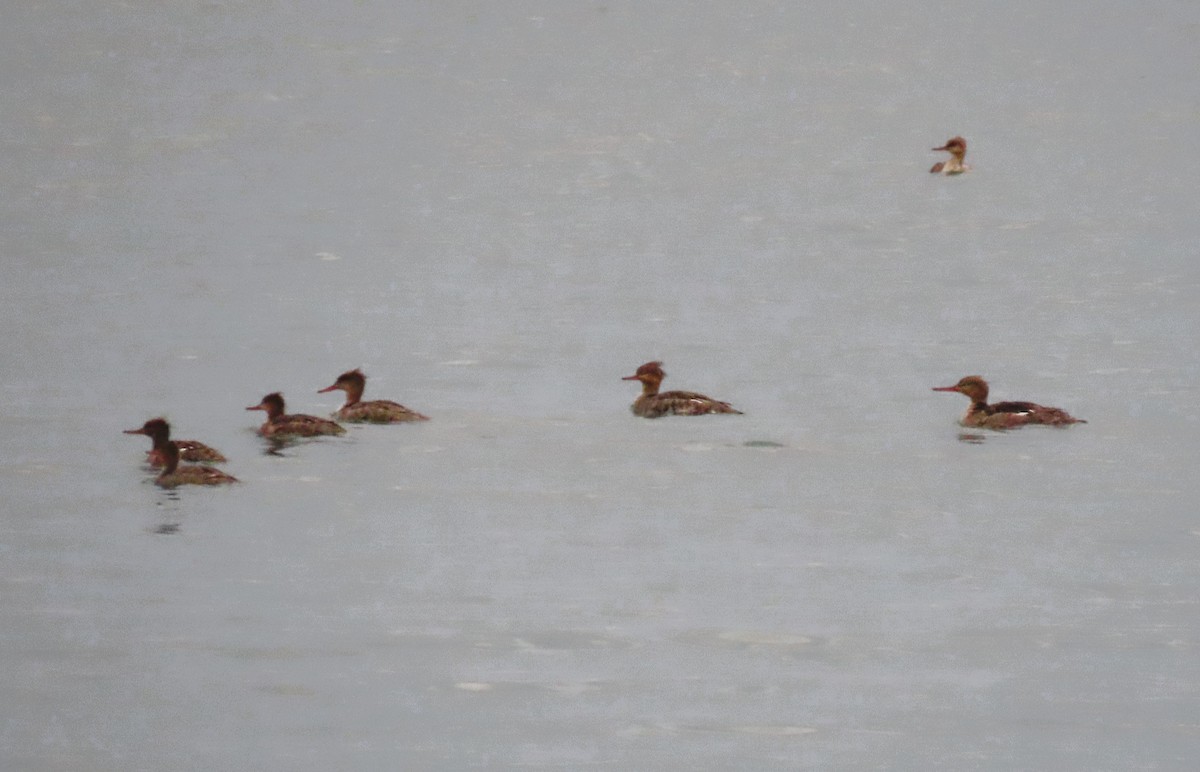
154 429
974 387
347 382
272 403
651 371
956 146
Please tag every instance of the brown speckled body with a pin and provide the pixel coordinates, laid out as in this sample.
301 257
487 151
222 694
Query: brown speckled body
957 148
1004 415
378 411
280 424
652 404
174 475
159 432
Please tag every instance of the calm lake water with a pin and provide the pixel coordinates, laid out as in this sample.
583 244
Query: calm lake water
499 209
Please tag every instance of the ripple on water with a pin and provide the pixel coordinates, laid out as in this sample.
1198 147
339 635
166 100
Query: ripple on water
757 730
568 688
774 730
763 444
568 640
288 690
740 639
474 686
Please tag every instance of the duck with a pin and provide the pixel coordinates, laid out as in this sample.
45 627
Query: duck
1004 415
280 424
173 474
651 404
377 411
159 432
957 148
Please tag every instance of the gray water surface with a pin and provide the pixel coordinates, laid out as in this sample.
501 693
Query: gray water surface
498 210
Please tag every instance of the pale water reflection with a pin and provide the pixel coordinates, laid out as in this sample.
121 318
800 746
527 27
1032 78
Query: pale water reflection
498 210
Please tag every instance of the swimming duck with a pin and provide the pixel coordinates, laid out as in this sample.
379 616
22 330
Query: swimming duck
957 148
1004 415
651 404
280 424
173 474
159 432
378 411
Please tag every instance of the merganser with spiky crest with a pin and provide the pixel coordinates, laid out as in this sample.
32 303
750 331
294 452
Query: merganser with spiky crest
957 148
377 411
192 474
651 404
159 432
1004 415
280 424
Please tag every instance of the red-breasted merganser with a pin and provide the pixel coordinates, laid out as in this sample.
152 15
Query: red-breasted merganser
651 404
173 474
1004 415
159 432
957 148
377 411
279 424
